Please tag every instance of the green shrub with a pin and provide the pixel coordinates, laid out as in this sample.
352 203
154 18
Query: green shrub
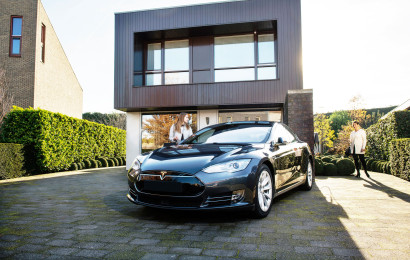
104 162
334 160
116 163
99 164
345 167
380 135
87 164
110 163
73 167
330 169
94 163
120 162
79 166
124 160
56 140
400 157
11 161
318 167
326 159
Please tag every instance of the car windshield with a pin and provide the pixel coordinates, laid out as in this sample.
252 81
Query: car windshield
231 133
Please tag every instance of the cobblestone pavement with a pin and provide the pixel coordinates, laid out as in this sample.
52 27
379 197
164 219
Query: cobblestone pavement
88 216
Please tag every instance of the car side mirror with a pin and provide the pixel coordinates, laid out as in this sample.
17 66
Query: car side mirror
280 140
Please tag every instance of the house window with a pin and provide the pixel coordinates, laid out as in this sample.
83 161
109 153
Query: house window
15 35
167 63
244 57
43 43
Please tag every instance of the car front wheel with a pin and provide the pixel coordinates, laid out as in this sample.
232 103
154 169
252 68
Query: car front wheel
309 177
264 192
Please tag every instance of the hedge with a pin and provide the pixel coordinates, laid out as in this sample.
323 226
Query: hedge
11 161
380 135
399 159
56 141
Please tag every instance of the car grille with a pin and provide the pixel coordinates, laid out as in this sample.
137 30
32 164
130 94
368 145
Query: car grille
171 201
169 183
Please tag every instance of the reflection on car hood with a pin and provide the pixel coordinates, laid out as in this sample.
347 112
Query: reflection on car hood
189 158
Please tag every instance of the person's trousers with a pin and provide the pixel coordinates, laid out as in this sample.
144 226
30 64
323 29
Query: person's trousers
356 158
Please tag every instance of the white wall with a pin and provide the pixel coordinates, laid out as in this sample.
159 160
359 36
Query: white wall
133 136
203 114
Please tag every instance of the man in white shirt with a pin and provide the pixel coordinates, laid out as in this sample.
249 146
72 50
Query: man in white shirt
357 147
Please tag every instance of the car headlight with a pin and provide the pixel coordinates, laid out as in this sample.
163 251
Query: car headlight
231 166
135 169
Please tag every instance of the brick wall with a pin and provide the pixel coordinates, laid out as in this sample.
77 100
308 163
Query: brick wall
19 70
298 114
56 86
51 85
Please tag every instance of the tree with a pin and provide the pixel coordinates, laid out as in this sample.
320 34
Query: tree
158 127
357 113
6 100
322 127
343 139
115 119
339 119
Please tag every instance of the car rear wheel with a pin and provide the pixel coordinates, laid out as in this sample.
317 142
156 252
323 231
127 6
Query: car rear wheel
309 177
264 192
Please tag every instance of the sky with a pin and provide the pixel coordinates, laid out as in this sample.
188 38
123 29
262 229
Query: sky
350 48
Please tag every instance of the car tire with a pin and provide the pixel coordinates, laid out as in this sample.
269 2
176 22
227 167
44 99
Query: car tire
309 177
264 192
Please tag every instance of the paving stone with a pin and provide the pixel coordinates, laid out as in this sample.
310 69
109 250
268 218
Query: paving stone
31 248
186 250
197 257
219 252
10 237
346 252
90 245
62 251
92 253
159 256
142 241
60 242
29 256
256 254
228 239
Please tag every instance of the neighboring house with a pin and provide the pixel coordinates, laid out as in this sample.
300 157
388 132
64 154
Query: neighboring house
38 72
239 60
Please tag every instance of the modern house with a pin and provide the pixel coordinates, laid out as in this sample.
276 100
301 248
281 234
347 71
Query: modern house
230 61
37 70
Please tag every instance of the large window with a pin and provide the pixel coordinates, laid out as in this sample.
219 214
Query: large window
245 57
205 59
167 63
15 35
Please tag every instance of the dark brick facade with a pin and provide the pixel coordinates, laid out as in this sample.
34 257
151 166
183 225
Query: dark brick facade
298 114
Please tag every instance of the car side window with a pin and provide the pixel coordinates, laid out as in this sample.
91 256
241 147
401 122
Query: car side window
281 131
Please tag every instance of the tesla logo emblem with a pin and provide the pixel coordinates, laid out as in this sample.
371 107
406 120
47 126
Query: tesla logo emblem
163 174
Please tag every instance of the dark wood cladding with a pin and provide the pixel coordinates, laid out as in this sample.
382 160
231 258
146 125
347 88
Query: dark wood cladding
287 14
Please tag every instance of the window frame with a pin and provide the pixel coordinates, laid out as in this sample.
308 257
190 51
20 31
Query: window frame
12 37
43 43
256 65
162 71
143 74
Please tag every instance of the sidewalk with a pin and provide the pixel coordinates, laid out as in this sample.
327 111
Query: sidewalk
85 214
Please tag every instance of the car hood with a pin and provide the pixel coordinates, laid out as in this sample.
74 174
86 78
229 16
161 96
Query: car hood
189 158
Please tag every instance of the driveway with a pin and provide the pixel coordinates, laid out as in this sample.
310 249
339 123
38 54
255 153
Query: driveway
86 214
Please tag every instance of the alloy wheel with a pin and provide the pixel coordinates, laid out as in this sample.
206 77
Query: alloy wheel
264 191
